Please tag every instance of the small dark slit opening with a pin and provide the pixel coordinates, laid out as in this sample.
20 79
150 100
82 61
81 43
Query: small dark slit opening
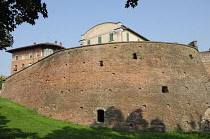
134 56
191 56
101 63
165 89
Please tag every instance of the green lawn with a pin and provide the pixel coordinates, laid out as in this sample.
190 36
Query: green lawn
17 121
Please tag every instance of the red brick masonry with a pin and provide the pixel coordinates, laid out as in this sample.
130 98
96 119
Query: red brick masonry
139 86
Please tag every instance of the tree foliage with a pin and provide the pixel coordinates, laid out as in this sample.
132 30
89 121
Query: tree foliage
16 12
132 3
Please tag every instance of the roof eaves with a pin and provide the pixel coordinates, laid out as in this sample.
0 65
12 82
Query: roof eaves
34 45
126 28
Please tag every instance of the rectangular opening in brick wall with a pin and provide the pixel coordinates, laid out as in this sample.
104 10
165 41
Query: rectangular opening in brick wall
134 56
165 89
100 115
101 63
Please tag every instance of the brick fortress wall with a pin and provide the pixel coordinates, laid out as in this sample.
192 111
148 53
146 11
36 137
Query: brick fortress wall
138 85
205 57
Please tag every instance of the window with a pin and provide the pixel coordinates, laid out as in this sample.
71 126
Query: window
16 57
111 37
99 39
88 42
22 66
127 34
100 115
30 55
139 40
38 55
23 57
15 68
48 52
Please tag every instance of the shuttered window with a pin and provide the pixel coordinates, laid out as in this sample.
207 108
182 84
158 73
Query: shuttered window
47 52
99 39
88 42
111 36
127 36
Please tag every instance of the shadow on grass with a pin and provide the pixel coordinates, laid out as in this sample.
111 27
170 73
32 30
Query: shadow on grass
90 133
115 118
134 122
104 133
12 133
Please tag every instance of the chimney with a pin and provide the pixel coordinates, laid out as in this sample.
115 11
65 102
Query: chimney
61 44
56 42
34 43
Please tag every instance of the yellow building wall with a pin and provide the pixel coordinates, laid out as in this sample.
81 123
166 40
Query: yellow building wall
104 30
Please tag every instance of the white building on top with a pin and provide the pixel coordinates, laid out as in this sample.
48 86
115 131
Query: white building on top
110 32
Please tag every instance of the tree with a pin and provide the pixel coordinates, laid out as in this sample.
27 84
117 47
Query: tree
132 3
16 12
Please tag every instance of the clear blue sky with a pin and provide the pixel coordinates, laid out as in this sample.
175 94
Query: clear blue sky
180 21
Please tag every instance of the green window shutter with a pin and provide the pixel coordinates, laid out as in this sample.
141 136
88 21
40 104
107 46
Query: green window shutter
111 36
88 42
99 39
127 36
139 40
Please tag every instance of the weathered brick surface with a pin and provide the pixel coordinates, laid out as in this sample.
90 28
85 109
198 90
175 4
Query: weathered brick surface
205 58
71 85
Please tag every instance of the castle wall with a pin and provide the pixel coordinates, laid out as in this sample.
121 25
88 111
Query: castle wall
139 86
205 58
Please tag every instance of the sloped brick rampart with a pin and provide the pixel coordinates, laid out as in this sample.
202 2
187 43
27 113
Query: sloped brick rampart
205 58
139 86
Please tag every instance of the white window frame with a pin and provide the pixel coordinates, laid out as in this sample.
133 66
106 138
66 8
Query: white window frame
16 57
30 55
23 57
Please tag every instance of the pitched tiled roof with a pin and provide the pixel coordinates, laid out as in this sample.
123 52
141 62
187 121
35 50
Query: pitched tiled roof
126 28
36 45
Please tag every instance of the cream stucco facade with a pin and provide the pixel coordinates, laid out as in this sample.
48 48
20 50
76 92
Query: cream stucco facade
110 32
